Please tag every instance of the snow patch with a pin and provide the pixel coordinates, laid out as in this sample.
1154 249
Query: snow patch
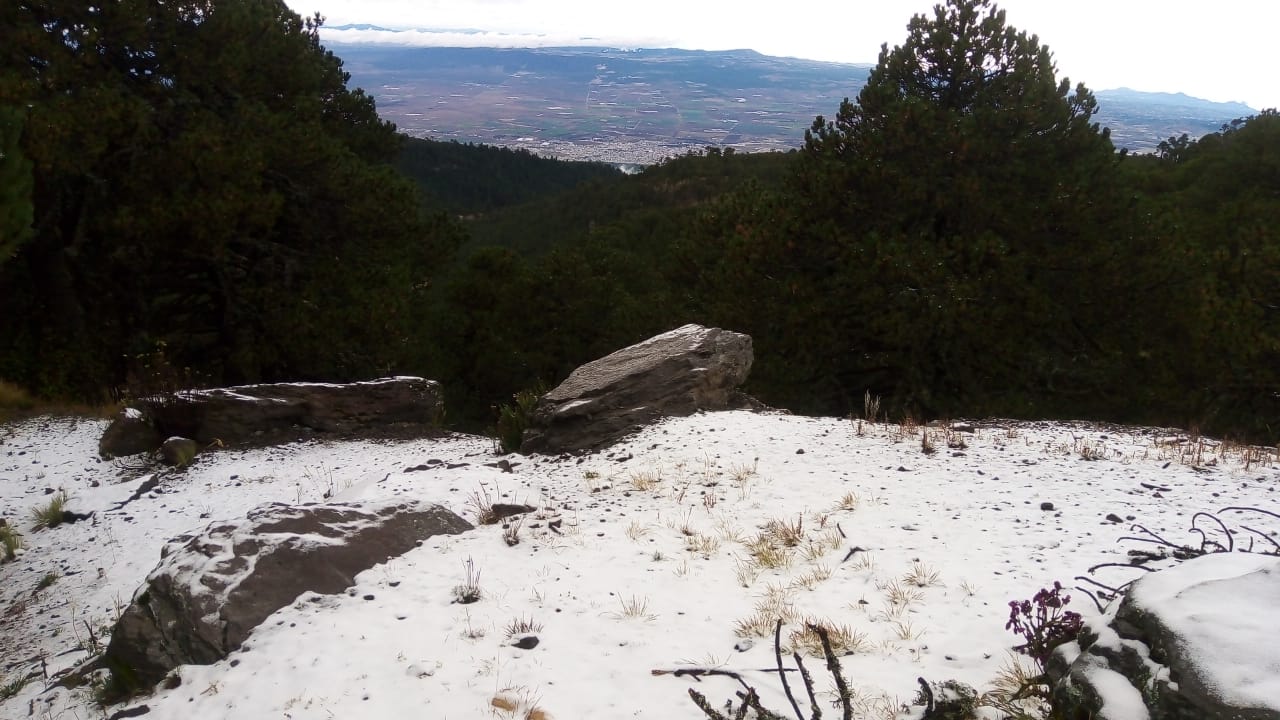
1223 606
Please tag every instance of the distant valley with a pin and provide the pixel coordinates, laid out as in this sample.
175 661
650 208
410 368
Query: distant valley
639 106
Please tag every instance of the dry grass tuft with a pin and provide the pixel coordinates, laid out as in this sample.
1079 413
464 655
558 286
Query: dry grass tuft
703 545
481 503
521 626
634 608
469 591
844 639
767 554
1014 691
50 514
847 502
773 606
788 534
921 575
746 572
635 531
10 541
518 703
646 480
812 578
899 596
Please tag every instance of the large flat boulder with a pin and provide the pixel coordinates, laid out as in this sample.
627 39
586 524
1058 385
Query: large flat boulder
212 589
1198 641
275 413
677 373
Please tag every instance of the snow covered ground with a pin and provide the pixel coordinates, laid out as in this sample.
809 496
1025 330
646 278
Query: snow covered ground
655 565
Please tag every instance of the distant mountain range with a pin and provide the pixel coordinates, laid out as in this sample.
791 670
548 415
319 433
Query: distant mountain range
638 106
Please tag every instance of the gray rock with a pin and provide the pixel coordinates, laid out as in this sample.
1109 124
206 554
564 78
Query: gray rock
677 373
283 412
1192 642
132 431
212 589
178 451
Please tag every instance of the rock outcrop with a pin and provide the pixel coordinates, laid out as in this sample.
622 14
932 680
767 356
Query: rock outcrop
677 373
276 413
1193 642
210 590
131 432
178 451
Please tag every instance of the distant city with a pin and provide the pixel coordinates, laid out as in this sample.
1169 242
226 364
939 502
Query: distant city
639 106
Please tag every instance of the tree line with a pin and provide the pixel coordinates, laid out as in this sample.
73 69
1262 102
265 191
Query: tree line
960 239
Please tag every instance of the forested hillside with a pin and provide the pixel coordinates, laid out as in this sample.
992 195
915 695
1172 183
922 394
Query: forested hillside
196 176
959 239
469 179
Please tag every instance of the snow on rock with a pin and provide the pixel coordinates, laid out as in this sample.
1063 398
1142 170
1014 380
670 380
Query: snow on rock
1196 640
212 589
676 373
1218 611
277 413
1120 699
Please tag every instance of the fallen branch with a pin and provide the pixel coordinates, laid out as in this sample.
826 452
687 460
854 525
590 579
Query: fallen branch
1231 542
777 653
1116 564
751 699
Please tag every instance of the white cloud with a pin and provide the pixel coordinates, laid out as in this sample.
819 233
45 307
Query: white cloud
1218 51
457 38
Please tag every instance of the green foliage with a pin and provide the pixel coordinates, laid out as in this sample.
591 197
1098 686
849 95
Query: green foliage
14 398
214 185
514 418
466 179
16 184
50 514
10 541
951 202
947 700
10 688
961 240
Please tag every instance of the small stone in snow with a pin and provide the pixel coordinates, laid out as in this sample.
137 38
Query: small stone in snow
744 645
1046 506
1114 518
527 642
800 451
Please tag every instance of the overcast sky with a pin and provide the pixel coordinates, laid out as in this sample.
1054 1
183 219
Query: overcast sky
1216 50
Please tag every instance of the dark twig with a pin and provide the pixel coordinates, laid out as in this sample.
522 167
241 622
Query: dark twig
1231 542
1098 604
1161 541
841 531
1123 565
808 687
777 653
1142 529
927 692
852 551
1264 536
701 701
698 673
837 672
1108 588
1236 508
1138 557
